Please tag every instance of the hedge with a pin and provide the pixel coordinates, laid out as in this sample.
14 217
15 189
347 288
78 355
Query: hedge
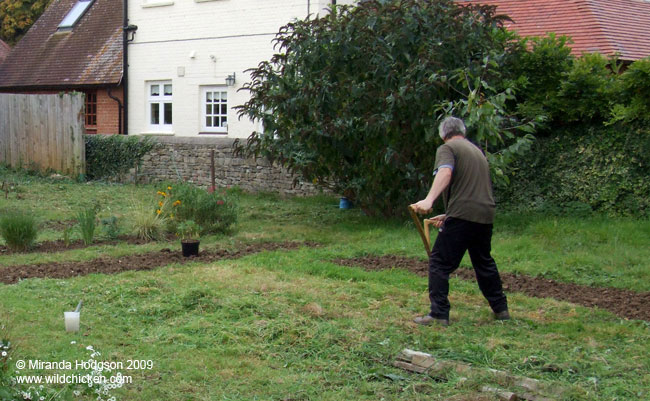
582 169
114 155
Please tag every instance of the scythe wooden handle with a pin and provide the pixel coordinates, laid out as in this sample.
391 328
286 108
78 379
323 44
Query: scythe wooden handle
423 235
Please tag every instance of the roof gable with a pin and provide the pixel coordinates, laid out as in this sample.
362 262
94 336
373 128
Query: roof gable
90 53
604 26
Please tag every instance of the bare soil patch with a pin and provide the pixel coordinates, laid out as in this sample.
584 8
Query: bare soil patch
624 303
144 261
60 246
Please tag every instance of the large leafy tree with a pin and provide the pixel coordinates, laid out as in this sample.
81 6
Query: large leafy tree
353 100
17 16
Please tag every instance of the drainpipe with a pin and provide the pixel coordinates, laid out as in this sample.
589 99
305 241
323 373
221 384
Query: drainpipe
125 65
126 30
120 108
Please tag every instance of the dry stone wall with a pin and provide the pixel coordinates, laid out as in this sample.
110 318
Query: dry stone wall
188 158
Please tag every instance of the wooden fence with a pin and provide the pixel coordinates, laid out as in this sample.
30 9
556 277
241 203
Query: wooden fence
43 132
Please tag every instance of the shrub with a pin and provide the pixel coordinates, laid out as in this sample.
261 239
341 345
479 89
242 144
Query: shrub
588 90
635 86
113 155
352 101
86 220
111 227
19 230
539 73
215 212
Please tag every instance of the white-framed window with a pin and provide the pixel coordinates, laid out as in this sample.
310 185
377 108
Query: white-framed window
159 110
214 106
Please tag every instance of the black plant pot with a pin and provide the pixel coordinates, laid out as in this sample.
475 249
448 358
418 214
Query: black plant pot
190 248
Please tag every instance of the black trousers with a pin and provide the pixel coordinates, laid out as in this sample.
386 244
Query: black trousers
456 237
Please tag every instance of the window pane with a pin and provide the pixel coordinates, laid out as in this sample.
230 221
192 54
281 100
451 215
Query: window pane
224 122
155 113
208 97
208 109
224 109
168 113
208 121
75 14
224 96
155 90
168 89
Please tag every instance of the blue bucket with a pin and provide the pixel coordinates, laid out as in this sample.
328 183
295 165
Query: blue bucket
344 203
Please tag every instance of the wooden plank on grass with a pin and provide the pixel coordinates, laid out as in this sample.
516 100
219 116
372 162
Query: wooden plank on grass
532 389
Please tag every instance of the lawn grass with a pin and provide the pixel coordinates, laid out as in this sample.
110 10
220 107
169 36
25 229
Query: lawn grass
293 325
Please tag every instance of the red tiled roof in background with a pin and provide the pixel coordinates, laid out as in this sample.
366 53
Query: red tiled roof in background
602 26
89 54
4 50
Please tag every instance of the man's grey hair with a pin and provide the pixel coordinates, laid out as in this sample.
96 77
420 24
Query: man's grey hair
451 126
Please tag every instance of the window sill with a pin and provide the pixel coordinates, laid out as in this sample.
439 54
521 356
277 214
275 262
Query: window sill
160 133
213 133
158 4
204 1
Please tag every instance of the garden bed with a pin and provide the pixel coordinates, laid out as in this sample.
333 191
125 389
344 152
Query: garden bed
624 303
60 245
143 261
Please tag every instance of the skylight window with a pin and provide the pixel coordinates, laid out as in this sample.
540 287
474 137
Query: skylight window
75 14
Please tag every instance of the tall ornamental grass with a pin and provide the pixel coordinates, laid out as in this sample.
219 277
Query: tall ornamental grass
19 230
87 224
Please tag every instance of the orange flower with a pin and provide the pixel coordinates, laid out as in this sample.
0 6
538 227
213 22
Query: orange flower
158 211
160 204
169 187
178 202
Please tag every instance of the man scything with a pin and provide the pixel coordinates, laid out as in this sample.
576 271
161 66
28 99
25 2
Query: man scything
462 176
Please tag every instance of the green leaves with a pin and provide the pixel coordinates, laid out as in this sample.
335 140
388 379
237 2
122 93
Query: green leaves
17 16
353 100
113 155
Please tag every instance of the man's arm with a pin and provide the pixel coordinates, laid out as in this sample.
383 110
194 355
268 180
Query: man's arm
440 183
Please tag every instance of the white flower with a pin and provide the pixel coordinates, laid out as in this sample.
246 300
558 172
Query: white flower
4 353
77 393
90 348
73 342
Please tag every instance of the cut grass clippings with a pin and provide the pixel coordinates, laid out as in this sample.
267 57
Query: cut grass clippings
290 324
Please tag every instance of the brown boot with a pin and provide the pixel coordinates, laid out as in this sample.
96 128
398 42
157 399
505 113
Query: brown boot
429 320
503 315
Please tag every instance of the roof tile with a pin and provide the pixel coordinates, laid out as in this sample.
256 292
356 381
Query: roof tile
89 54
603 26
4 50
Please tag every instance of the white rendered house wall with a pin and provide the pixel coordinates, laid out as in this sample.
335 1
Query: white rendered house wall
184 52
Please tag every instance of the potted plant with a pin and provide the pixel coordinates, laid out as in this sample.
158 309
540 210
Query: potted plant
188 231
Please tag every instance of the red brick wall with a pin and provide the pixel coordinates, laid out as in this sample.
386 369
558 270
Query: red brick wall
108 111
107 108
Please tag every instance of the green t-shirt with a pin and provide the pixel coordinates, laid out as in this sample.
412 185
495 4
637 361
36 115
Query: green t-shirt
469 194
